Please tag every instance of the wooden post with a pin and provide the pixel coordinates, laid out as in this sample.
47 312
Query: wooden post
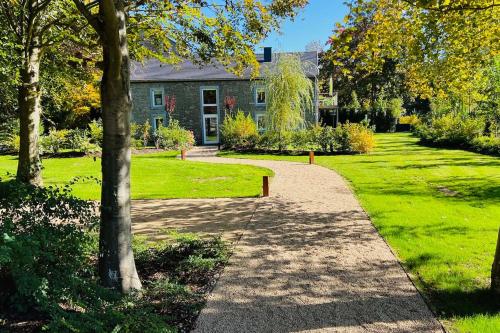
265 186
183 154
311 157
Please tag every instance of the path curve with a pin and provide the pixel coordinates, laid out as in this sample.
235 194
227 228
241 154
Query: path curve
311 261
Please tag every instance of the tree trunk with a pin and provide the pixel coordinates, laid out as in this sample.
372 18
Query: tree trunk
495 269
116 259
29 168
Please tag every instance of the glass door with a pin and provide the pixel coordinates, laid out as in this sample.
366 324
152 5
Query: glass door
210 128
210 111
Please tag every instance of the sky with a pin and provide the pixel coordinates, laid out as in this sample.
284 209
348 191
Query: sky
315 22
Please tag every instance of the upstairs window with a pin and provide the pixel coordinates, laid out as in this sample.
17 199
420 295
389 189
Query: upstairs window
260 96
157 98
210 103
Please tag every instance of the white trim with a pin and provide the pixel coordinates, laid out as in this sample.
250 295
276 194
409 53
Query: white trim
209 115
216 117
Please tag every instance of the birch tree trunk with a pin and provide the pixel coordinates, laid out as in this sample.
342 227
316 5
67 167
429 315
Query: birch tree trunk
29 167
495 269
116 259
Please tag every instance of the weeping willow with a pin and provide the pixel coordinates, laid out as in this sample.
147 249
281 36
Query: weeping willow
288 95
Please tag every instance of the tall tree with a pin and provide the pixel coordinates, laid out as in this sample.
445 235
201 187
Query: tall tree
34 26
169 31
364 72
288 95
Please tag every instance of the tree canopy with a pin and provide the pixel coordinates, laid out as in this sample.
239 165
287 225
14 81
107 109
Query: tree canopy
441 46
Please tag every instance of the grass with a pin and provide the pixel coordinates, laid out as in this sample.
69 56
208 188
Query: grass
153 176
439 209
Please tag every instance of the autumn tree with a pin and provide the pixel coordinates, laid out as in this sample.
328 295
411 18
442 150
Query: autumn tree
443 45
169 31
31 27
70 87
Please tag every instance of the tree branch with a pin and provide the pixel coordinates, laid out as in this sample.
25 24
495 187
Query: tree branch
5 9
91 18
451 7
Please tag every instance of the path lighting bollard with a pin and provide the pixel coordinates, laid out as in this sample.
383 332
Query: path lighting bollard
311 157
265 186
183 154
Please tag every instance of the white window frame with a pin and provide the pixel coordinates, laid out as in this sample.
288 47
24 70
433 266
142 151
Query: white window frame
210 115
152 93
154 122
257 90
257 116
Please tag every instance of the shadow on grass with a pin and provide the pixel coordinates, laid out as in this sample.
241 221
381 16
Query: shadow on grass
459 303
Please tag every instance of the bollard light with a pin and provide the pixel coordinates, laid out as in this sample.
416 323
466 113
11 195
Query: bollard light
265 186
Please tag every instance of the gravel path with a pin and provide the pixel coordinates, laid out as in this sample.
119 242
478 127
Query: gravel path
311 261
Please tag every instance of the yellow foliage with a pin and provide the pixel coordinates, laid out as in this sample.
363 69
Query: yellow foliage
83 99
361 139
409 120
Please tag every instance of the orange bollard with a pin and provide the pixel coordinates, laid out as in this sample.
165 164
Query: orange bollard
183 154
311 157
265 186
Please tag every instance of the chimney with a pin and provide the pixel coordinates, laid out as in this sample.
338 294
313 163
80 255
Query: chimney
268 54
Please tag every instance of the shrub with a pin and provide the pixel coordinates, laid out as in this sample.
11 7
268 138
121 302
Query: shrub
409 120
140 132
325 139
239 131
361 139
54 141
340 140
14 142
301 140
134 130
136 143
487 145
450 129
77 139
48 249
144 132
173 137
44 246
96 132
275 140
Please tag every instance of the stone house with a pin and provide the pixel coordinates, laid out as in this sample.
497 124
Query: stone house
200 93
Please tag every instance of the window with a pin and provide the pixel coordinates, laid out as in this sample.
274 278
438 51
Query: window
260 96
158 122
210 114
209 101
260 121
157 99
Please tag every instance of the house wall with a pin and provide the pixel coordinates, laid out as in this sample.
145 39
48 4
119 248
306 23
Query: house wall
188 101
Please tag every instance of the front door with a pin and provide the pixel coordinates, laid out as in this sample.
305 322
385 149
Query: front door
210 114
210 128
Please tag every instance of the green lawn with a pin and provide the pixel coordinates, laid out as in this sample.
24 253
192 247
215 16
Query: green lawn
154 176
439 210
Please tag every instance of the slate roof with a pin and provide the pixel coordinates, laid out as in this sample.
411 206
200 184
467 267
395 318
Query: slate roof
154 71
